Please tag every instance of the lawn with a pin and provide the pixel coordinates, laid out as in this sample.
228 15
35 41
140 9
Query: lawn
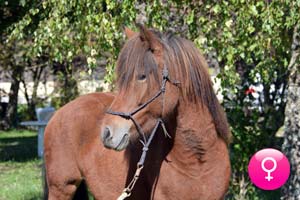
20 168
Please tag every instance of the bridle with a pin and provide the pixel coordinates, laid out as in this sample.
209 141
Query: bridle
145 142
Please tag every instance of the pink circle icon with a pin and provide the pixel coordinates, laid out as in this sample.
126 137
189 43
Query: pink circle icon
269 169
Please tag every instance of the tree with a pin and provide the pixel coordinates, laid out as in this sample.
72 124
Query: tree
291 145
36 68
14 65
10 119
12 58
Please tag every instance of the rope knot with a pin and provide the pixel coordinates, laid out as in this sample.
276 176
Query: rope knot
145 148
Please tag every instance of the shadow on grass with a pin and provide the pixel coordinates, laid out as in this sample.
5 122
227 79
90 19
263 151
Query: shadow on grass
18 149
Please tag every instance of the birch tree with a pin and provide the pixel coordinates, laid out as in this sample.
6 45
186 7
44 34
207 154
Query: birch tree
291 145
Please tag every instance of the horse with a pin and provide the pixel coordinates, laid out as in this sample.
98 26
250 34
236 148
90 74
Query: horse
163 135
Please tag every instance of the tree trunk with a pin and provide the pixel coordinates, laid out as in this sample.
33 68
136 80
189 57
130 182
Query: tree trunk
33 100
10 119
291 144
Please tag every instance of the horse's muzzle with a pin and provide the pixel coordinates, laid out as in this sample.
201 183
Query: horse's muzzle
117 141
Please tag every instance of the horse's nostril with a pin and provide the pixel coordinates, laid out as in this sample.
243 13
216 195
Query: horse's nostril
106 134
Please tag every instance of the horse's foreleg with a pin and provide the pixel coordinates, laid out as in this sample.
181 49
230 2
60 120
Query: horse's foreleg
104 171
63 175
62 192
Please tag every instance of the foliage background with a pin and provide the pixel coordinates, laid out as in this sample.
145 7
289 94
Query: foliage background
247 42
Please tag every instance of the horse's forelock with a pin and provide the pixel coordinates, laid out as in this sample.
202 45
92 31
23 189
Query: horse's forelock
135 57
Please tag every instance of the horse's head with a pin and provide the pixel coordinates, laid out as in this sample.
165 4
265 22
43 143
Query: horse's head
140 77
149 61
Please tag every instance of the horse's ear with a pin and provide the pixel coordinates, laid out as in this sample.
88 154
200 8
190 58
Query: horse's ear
147 35
129 33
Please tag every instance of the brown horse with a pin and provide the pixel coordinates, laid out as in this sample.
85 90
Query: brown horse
162 80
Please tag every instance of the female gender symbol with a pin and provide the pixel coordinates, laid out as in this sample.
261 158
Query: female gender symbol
269 177
269 161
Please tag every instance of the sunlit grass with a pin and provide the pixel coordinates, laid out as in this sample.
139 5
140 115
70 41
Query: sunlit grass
20 169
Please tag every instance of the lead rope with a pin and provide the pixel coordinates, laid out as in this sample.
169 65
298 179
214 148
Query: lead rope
140 165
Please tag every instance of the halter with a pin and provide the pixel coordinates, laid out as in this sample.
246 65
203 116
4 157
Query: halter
145 142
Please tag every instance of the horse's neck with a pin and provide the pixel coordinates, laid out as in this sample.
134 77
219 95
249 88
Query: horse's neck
195 136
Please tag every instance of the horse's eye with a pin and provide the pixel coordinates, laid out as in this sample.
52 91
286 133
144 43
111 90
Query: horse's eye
141 77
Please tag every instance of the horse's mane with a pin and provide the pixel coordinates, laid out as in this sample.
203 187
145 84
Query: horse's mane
185 64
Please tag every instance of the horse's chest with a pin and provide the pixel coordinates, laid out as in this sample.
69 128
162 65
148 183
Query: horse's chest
174 184
194 181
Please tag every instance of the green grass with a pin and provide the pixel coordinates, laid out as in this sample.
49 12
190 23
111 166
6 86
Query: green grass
20 168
